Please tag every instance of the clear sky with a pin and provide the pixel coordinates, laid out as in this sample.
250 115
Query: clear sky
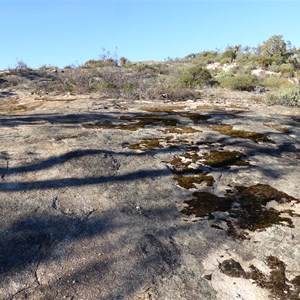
64 32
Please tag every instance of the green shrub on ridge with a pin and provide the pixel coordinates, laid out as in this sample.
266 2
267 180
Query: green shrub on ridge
240 82
195 77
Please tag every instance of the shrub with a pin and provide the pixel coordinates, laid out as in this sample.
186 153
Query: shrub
276 83
203 58
92 63
274 68
287 70
289 97
109 86
123 61
265 61
155 92
196 76
158 68
240 82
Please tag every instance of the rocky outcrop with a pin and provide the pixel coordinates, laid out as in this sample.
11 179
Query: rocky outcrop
193 200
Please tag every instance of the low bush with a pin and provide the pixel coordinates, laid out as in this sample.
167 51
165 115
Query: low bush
157 68
203 58
92 63
273 82
168 93
196 77
287 70
288 97
274 68
239 82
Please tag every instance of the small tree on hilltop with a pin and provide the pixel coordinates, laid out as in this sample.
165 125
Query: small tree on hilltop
231 52
123 61
276 48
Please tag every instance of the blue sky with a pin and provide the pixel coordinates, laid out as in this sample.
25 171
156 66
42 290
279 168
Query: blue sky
64 32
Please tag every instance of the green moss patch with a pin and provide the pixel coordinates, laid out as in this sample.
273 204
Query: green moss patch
253 201
246 207
188 182
204 204
178 165
180 130
232 268
194 157
145 145
276 282
254 136
217 159
135 123
214 158
278 127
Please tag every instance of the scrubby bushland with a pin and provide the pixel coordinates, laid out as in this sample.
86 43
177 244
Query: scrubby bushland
109 62
239 82
275 83
116 82
289 97
152 68
196 77
275 63
203 58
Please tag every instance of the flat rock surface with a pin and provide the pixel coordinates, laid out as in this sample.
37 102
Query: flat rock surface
106 199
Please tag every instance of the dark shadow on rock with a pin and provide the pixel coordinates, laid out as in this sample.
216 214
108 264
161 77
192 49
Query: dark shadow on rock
58 160
30 242
4 94
59 119
73 182
251 150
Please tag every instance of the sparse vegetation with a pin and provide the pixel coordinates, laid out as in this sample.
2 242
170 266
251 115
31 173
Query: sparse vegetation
240 82
272 68
288 97
196 77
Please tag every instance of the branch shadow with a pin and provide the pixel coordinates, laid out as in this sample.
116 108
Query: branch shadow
31 242
4 94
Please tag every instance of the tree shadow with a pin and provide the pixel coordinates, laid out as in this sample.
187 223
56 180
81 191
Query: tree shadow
138 243
4 94
54 118
142 251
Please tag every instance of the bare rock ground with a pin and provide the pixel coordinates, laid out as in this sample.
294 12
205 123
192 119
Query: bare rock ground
102 199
